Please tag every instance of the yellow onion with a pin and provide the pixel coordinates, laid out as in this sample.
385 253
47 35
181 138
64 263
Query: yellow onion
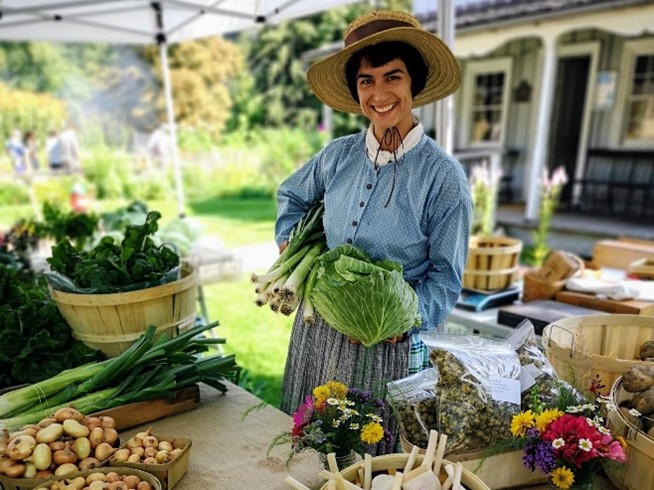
96 436
44 474
23 432
96 476
15 470
110 435
144 486
66 469
134 458
42 456
66 413
138 450
107 422
78 483
89 463
150 441
50 433
30 470
74 429
99 485
65 455
111 477
161 456
21 447
121 455
57 445
142 435
118 485
165 446
104 450
46 421
82 447
131 481
150 460
150 452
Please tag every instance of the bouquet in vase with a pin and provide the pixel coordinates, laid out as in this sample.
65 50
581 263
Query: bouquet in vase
570 444
335 419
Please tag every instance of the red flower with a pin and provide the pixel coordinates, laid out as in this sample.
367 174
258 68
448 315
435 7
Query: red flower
571 429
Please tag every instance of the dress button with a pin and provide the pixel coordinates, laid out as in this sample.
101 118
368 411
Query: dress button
354 223
349 240
361 204
369 186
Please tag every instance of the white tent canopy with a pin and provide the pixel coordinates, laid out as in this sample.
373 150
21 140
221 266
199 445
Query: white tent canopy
146 22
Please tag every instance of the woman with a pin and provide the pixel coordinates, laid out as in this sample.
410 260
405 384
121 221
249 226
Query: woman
390 190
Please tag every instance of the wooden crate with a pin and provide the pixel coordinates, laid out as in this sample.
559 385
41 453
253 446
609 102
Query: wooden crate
139 413
121 471
621 254
168 474
643 268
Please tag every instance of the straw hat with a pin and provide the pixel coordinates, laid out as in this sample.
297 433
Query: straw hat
327 77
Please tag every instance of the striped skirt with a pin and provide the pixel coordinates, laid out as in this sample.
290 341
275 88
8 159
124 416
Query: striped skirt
317 353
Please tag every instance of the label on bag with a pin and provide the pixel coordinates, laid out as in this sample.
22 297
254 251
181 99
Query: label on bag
505 390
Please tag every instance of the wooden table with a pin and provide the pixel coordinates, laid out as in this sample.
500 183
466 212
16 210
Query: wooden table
228 453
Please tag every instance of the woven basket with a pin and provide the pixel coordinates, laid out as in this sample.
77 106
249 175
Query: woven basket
112 322
492 263
534 288
638 472
121 471
398 461
497 470
581 347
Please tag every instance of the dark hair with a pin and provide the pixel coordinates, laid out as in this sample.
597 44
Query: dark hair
382 53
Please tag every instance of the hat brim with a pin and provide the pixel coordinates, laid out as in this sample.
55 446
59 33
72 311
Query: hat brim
328 81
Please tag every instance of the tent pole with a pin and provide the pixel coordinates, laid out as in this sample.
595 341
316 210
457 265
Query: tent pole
165 71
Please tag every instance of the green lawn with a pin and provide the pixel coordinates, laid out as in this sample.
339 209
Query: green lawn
258 336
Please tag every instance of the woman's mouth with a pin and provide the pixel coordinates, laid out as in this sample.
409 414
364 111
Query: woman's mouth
383 109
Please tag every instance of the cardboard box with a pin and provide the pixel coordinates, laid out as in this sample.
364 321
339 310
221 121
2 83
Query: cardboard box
620 254
631 306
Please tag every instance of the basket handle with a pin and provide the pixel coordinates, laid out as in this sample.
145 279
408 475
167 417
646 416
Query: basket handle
572 335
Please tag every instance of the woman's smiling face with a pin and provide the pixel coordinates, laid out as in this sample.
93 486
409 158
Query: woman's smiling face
385 96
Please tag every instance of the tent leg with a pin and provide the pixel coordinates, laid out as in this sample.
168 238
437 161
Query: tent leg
179 185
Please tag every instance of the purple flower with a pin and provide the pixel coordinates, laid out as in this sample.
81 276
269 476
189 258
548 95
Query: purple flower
539 454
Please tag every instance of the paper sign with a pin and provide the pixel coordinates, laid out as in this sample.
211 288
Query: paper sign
505 390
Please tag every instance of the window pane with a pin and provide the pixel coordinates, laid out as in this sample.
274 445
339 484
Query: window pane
639 120
487 107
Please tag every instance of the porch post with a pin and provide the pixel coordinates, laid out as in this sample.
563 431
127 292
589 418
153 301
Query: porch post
445 107
541 129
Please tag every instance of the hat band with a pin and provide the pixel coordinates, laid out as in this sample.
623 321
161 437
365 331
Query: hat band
373 28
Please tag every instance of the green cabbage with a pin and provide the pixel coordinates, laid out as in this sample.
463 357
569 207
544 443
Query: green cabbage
365 300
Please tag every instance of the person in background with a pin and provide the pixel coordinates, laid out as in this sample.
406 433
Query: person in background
31 150
16 151
389 190
69 149
53 150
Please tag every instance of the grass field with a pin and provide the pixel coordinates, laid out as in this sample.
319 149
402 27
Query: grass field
257 336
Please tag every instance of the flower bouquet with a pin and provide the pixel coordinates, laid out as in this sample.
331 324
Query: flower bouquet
335 419
569 444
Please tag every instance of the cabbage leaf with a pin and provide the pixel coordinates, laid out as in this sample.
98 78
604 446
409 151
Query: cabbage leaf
362 299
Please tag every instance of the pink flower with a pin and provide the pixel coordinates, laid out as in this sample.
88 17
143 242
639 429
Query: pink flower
304 413
608 448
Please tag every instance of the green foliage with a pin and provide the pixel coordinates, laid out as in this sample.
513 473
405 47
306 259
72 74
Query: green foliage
27 111
59 225
35 341
13 192
110 267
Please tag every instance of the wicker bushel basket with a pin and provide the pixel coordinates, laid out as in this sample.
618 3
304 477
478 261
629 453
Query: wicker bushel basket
582 347
395 462
534 288
112 322
638 472
154 483
492 263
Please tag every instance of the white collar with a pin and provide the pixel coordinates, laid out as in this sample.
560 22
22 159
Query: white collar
384 157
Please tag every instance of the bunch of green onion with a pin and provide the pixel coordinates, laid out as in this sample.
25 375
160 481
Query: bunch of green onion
292 276
152 367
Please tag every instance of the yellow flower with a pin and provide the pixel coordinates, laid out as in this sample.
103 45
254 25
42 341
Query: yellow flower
336 389
546 417
562 478
521 422
372 433
320 394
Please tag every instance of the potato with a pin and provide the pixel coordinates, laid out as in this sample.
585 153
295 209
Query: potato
647 350
644 402
638 378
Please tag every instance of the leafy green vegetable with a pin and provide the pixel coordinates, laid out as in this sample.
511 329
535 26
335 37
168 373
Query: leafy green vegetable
110 267
361 299
35 340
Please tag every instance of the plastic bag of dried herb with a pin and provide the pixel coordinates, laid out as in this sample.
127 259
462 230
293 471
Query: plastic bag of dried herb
540 382
478 389
415 405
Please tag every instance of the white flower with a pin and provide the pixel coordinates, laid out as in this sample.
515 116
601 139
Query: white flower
573 409
585 444
558 443
604 431
333 401
634 413
354 426
336 423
